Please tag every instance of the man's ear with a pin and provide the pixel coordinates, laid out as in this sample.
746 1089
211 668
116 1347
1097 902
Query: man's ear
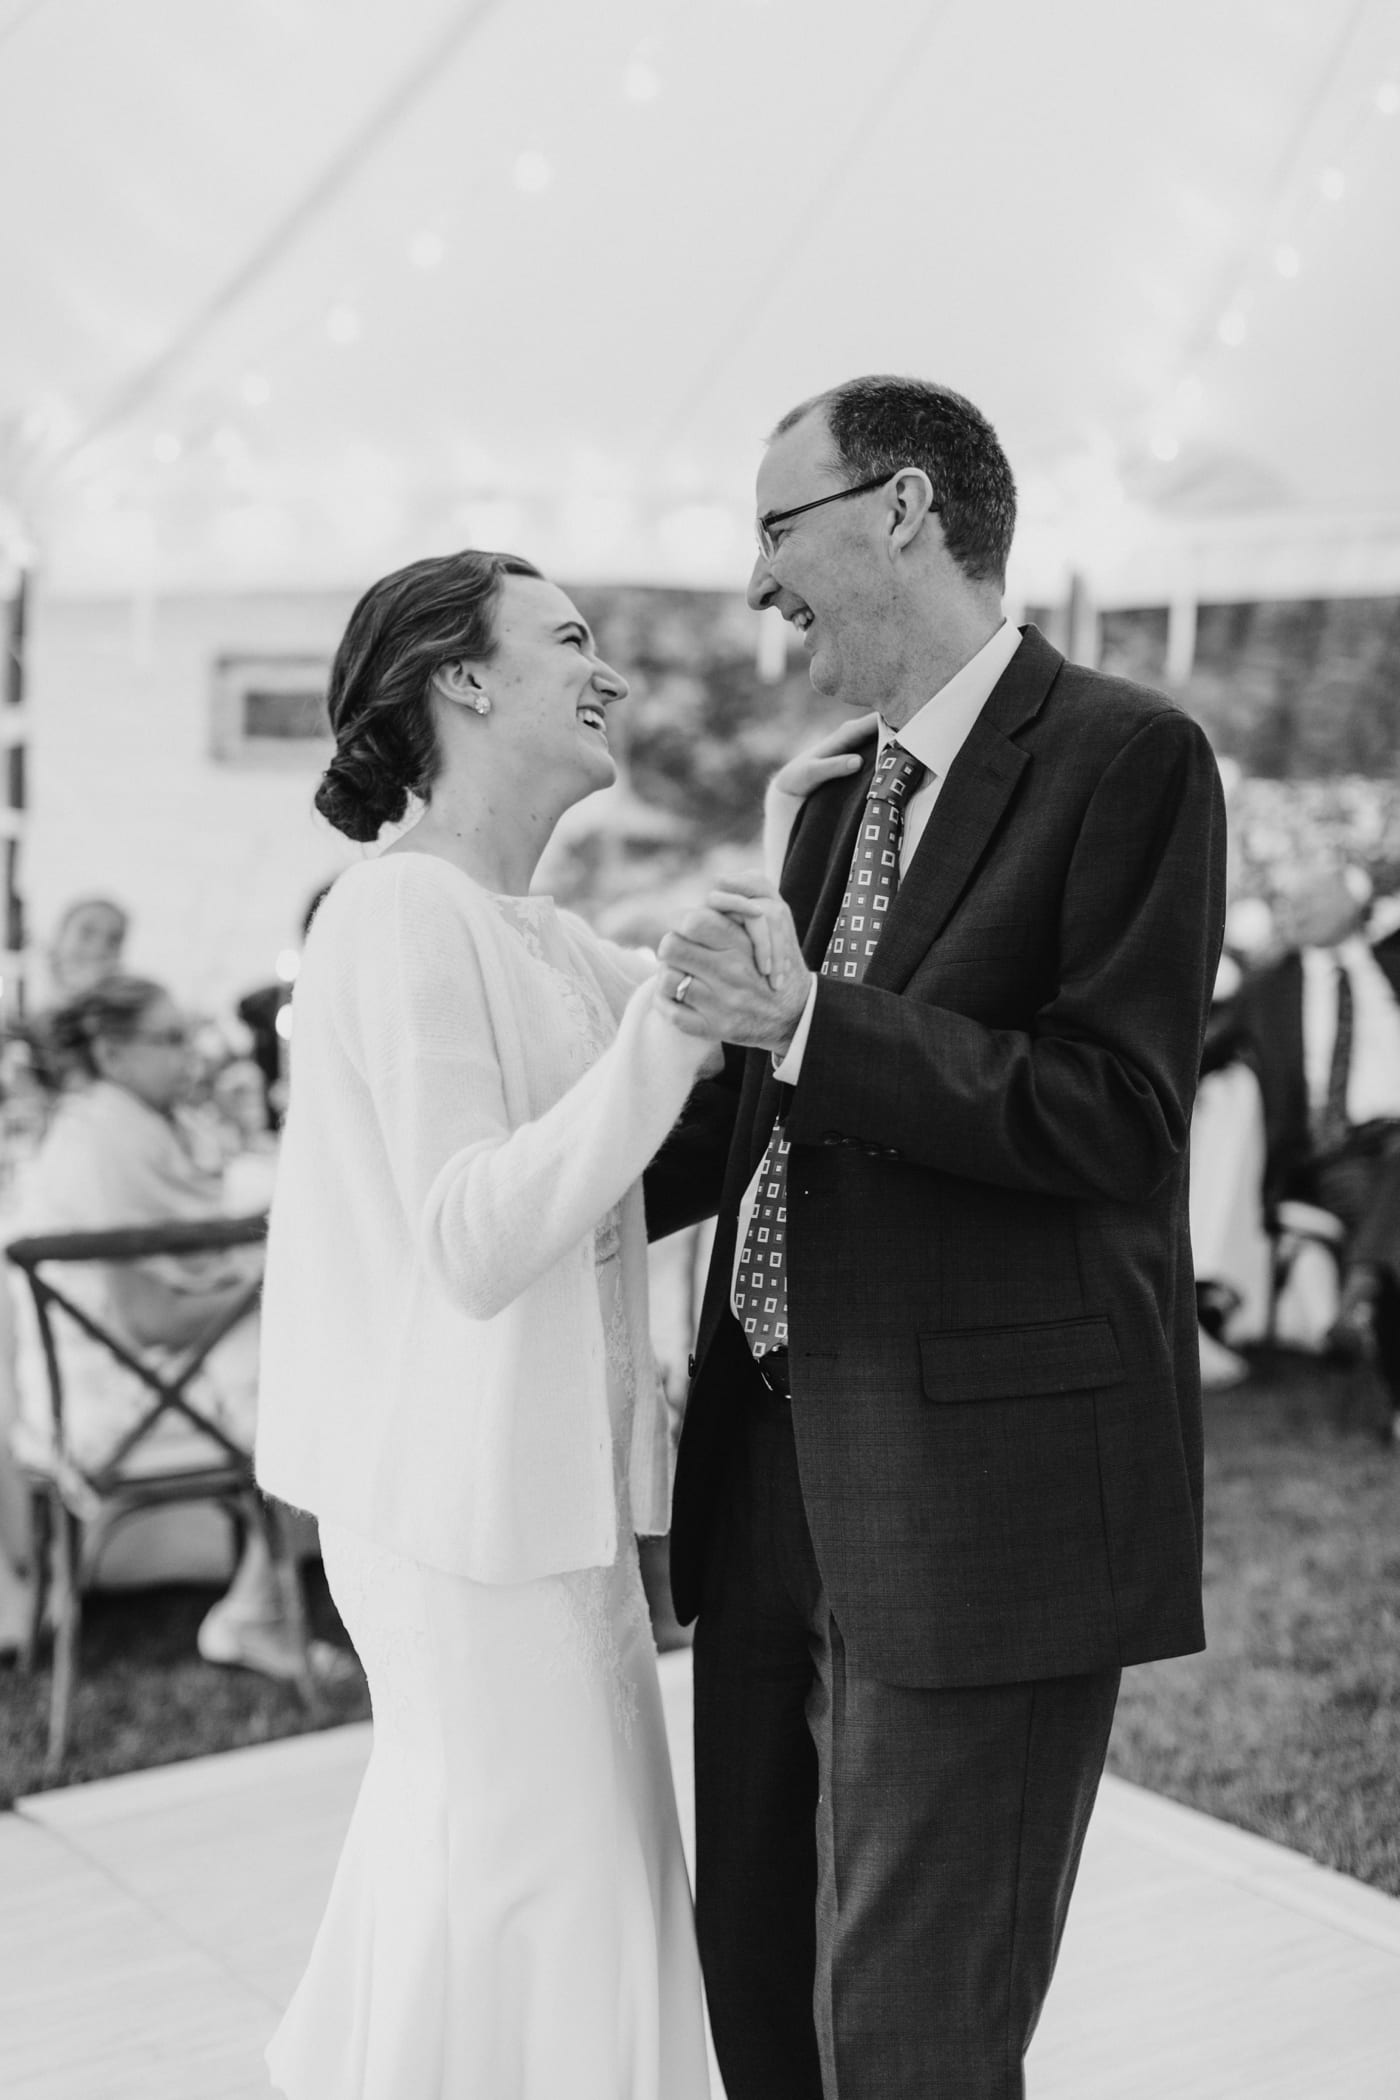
912 498
459 684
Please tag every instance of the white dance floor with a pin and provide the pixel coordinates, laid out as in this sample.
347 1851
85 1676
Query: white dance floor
151 1927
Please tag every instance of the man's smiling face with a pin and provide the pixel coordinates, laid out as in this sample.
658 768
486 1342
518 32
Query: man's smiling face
830 572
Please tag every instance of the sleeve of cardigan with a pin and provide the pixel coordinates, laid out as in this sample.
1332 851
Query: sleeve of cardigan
493 1208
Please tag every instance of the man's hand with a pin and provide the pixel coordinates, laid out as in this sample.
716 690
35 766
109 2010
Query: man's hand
720 948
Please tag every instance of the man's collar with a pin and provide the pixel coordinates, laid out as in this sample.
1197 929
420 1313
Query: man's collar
937 732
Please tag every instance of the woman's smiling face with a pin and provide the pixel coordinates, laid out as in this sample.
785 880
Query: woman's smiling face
549 689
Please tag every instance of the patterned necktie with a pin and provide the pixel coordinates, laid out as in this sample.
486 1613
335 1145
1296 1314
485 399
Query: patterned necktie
1332 1122
760 1287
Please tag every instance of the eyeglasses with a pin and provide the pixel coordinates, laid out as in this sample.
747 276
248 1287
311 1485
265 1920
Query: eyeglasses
165 1038
768 546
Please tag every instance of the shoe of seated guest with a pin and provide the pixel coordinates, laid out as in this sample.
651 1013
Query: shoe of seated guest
1216 1303
1351 1339
266 1647
1220 1367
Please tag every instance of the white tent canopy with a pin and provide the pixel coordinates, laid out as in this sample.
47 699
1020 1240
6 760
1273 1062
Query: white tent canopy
296 289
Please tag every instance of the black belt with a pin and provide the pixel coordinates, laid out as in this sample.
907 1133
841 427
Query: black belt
772 1368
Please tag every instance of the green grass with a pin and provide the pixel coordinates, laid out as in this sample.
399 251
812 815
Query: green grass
1288 1725
145 1698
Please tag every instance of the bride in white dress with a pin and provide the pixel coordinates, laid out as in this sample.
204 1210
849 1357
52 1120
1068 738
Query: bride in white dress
457 1380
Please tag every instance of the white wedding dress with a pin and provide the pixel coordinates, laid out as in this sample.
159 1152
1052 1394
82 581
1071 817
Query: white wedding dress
511 1917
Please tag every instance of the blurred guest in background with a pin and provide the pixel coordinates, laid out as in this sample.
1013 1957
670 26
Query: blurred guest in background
1321 1029
1229 1244
117 1153
87 945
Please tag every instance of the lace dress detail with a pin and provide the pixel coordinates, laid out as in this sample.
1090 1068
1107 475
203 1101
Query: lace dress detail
593 1026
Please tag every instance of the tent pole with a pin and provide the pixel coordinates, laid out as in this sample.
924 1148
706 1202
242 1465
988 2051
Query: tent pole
16 797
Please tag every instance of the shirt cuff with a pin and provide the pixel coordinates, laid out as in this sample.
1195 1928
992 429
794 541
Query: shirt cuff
788 1067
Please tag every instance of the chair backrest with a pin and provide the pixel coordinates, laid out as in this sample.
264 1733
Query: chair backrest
165 1375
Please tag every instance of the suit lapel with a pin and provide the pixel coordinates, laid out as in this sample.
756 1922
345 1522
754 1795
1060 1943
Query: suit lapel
970 805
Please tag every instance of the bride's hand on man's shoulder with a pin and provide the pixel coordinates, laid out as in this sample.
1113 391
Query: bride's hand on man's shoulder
834 757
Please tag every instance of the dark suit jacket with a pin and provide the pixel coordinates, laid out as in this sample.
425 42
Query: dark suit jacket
1263 1026
991 1308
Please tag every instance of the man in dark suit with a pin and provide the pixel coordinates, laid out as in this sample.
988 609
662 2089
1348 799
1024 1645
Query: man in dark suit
1321 1028
941 1470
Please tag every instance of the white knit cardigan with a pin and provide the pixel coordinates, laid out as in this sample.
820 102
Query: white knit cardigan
433 1367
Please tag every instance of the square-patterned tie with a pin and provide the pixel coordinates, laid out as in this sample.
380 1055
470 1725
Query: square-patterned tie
760 1287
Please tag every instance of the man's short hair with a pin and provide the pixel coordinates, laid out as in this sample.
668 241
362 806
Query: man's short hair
879 424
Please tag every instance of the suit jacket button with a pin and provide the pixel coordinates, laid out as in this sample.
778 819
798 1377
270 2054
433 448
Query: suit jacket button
690 1367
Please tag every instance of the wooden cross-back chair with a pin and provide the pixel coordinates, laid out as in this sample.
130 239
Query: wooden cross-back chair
77 1502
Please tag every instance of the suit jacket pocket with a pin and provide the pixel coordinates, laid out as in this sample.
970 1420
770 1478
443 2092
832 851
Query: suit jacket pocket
1004 1363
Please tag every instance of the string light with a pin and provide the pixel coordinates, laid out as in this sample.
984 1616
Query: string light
1164 446
1287 261
1388 97
167 448
288 964
343 325
1333 185
256 389
1233 329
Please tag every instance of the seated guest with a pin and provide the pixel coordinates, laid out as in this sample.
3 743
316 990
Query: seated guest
86 945
116 1153
1321 1028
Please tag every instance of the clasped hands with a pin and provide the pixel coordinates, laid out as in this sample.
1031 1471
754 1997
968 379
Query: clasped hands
738 967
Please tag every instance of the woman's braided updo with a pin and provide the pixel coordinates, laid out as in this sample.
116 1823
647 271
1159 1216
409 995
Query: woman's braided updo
404 628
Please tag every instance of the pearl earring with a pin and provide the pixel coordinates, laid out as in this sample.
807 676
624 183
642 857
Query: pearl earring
480 704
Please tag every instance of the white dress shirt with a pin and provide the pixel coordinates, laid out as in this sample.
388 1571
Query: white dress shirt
1373 1081
936 734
